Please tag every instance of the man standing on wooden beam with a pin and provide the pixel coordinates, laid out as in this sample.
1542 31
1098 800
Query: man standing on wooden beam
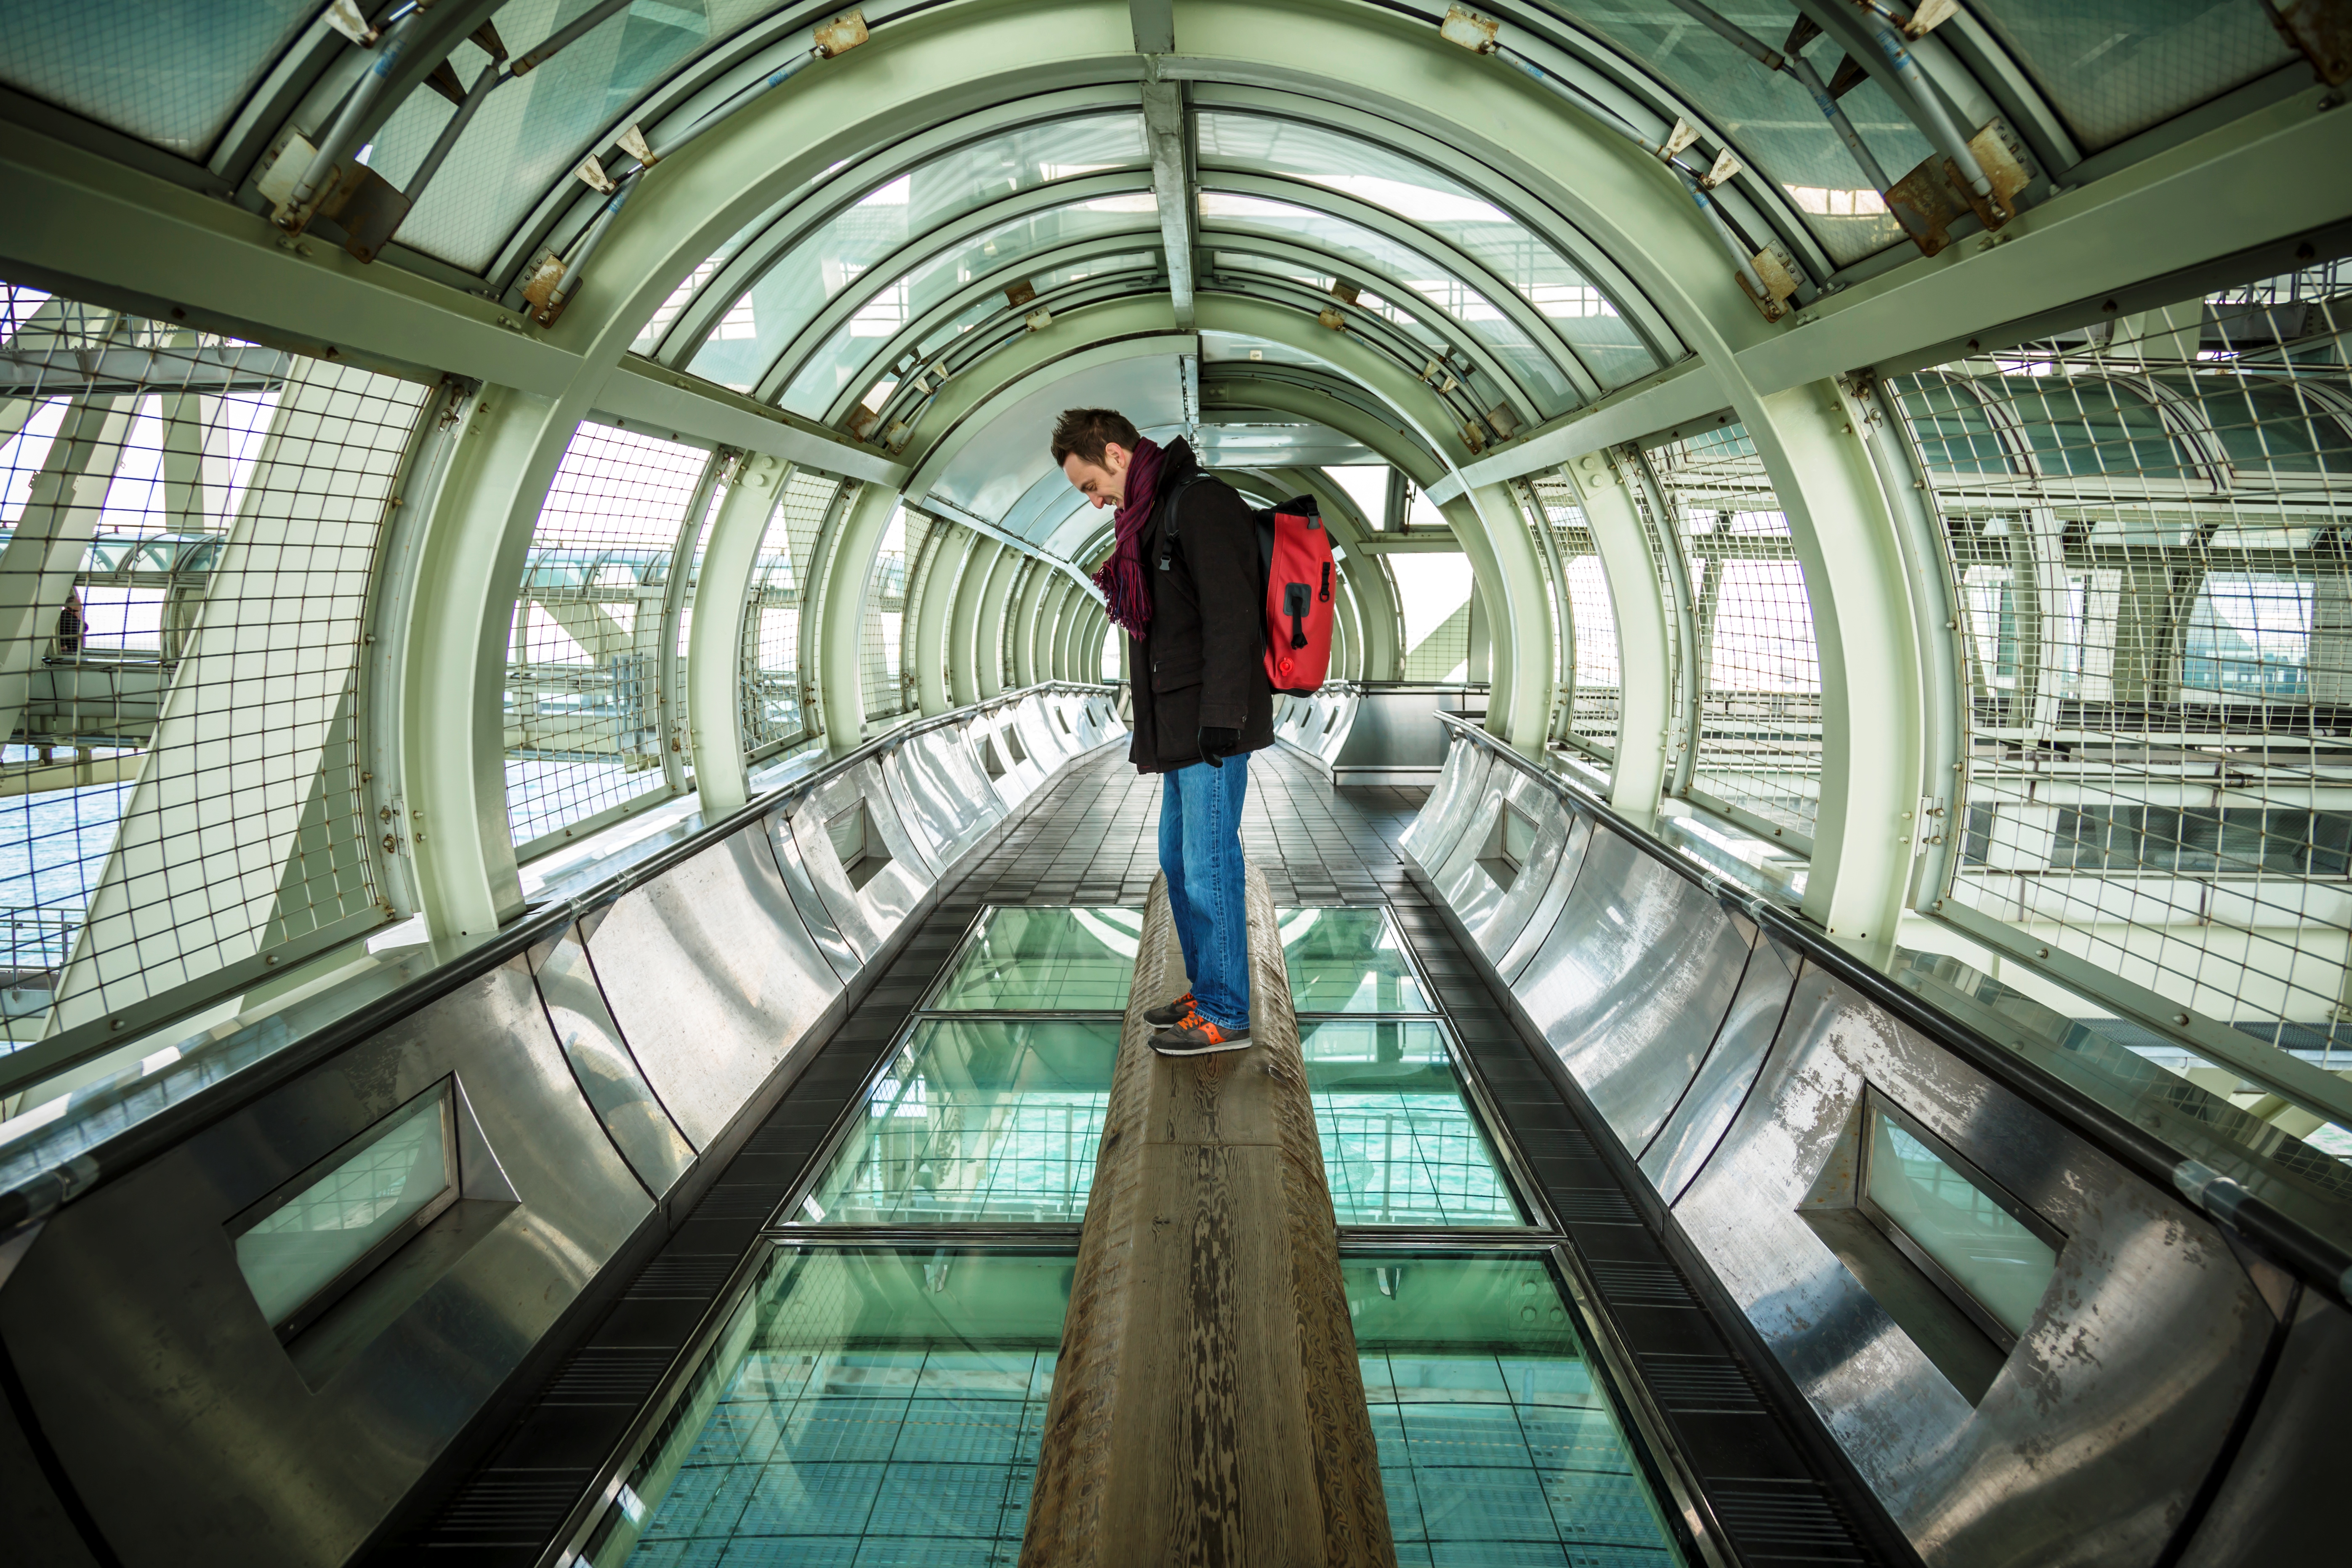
1182 581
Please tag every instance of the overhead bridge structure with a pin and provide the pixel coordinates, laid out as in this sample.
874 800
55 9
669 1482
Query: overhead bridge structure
577 916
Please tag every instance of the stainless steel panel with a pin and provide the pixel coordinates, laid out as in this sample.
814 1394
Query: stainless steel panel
2110 1410
865 915
815 919
609 1077
1725 1076
181 1420
1633 983
2278 1504
1493 915
1397 727
1450 805
1012 782
1338 717
1048 747
713 980
942 795
1566 867
921 808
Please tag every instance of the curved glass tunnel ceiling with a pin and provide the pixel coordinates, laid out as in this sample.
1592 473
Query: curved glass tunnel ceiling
880 1404
992 1107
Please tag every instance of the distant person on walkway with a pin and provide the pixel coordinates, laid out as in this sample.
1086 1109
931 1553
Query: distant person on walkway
1191 606
69 624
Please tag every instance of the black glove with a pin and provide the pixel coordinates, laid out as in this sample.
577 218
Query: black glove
1216 745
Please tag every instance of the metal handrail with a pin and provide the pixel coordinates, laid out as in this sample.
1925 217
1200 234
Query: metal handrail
2321 1261
51 1188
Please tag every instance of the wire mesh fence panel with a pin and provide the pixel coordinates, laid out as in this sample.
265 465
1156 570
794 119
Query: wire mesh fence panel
1759 734
772 711
583 661
190 524
881 672
2147 525
1582 597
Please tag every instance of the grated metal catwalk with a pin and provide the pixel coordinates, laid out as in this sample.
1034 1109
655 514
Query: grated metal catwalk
1764 1476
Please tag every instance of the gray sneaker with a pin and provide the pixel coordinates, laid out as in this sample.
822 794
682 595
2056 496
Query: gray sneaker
1170 1014
1196 1037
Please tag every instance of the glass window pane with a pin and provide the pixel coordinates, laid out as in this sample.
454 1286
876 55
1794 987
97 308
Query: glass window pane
531 131
1400 1144
869 1396
1497 1441
1348 960
797 285
836 367
1545 278
1030 959
1990 1255
1345 241
303 1245
2113 69
172 75
1770 119
977 1121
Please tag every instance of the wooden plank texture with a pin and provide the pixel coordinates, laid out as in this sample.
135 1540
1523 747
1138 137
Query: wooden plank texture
1207 1405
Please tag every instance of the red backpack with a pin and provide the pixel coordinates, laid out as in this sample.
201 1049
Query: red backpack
1295 568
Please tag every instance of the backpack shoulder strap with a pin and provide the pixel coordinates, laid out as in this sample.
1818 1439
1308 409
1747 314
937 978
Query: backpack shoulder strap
1167 516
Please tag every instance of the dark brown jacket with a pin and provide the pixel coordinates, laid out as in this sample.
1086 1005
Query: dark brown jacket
1203 662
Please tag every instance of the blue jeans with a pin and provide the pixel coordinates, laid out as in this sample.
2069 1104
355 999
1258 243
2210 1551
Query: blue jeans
1200 851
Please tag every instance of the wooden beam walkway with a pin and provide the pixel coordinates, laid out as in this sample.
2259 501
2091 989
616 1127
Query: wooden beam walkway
1208 1408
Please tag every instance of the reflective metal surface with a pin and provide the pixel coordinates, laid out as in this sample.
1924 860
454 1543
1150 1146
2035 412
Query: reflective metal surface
940 795
864 914
1392 736
1633 983
1472 876
1740 1077
609 1077
1691 1131
182 1421
816 918
713 980
1566 869
1451 802
2100 1425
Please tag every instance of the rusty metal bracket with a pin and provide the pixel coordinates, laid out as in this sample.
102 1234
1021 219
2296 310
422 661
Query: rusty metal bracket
1727 167
1930 15
1019 294
1776 269
591 173
633 141
1469 29
841 34
540 284
2322 29
345 18
1681 136
365 206
1347 293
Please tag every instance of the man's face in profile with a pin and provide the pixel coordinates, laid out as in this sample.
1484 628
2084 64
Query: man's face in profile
1103 483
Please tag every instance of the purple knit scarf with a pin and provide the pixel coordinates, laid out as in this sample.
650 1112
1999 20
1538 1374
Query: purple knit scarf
1126 590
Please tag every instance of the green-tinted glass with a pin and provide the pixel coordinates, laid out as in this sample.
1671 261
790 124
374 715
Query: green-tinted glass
977 1121
859 1401
1988 1254
1348 960
1400 1144
1045 960
1496 1444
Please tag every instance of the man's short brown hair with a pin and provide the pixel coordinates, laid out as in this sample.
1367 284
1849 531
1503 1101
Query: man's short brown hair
1085 432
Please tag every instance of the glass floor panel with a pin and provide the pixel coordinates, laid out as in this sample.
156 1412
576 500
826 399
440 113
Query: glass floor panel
977 1121
1496 1445
1029 960
862 1407
1348 960
1401 1144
